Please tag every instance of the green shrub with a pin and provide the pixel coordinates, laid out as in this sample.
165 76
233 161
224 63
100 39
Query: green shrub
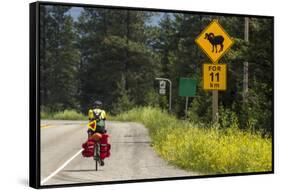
207 150
63 115
69 115
228 118
44 115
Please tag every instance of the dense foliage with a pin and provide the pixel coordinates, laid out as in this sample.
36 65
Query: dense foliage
114 56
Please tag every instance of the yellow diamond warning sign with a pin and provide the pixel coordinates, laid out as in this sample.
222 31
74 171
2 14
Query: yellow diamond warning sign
214 76
214 41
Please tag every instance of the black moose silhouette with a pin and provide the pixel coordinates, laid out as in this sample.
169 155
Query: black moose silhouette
215 40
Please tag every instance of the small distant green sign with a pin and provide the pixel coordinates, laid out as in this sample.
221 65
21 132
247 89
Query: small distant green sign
187 87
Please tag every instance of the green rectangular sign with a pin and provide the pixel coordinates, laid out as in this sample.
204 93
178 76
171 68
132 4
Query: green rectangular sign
187 87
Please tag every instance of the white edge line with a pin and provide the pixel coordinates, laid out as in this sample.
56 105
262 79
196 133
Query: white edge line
61 167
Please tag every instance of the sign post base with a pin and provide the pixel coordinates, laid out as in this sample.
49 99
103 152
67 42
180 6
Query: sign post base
215 106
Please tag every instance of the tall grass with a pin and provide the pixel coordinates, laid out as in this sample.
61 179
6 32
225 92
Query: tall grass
206 150
63 115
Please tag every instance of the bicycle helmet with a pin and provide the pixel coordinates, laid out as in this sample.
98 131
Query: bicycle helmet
97 104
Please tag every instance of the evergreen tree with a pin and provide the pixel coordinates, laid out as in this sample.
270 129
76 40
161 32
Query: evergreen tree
59 59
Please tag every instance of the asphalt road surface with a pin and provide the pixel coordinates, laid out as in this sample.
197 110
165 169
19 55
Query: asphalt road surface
132 156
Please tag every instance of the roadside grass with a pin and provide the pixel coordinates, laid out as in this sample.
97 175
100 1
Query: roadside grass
63 115
193 147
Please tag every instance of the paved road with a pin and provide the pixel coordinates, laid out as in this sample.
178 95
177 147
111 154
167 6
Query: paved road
132 157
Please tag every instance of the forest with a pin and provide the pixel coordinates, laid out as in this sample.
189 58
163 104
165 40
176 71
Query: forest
114 55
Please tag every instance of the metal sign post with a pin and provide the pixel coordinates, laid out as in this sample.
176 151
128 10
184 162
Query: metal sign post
186 105
246 64
170 90
215 105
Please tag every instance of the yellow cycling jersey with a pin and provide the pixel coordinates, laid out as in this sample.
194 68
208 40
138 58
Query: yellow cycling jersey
99 112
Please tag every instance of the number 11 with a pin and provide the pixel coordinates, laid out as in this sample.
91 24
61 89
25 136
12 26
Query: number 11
215 75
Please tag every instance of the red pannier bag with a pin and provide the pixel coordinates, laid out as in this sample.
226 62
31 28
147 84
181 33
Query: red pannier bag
104 147
88 147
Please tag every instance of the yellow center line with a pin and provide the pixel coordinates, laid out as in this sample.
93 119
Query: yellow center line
46 126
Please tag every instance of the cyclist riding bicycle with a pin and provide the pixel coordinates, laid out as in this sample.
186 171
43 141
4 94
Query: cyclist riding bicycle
97 117
96 125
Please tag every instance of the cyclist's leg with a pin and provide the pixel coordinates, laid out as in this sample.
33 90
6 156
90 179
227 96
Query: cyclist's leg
99 129
99 149
101 162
